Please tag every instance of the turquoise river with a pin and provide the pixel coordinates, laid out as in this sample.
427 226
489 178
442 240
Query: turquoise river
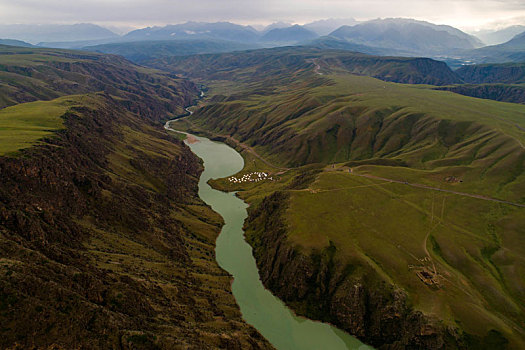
272 318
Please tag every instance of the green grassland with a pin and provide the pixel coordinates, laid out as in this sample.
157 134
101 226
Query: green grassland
393 228
360 118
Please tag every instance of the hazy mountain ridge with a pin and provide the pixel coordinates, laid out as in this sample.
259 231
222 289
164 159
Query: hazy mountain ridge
390 36
289 35
496 37
35 34
196 30
12 42
415 37
141 51
326 26
510 51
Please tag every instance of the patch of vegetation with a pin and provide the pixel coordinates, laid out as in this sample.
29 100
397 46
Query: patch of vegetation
21 126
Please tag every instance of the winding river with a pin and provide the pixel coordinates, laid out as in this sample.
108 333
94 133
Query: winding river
259 307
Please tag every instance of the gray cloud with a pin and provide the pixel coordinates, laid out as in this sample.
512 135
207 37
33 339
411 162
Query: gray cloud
462 13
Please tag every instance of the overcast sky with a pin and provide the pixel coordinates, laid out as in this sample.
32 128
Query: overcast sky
465 14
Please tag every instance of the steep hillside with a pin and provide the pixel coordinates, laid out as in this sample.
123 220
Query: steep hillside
29 74
499 82
507 73
104 242
496 92
395 212
142 51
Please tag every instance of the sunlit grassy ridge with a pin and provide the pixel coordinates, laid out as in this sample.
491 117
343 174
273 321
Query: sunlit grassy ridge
23 125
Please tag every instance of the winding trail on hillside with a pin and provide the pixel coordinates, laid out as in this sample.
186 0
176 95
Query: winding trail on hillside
464 194
249 149
317 66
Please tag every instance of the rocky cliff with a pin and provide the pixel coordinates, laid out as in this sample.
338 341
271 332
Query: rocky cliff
497 92
506 73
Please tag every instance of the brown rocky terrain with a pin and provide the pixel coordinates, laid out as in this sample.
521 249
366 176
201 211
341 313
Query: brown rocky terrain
104 242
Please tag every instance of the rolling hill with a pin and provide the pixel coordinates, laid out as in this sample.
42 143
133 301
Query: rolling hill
277 63
142 51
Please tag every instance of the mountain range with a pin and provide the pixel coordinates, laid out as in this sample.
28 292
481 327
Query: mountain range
395 210
391 36
196 30
13 42
326 26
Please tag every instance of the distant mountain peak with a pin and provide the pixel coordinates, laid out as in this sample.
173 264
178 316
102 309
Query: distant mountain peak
289 35
326 26
411 36
276 25
55 32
